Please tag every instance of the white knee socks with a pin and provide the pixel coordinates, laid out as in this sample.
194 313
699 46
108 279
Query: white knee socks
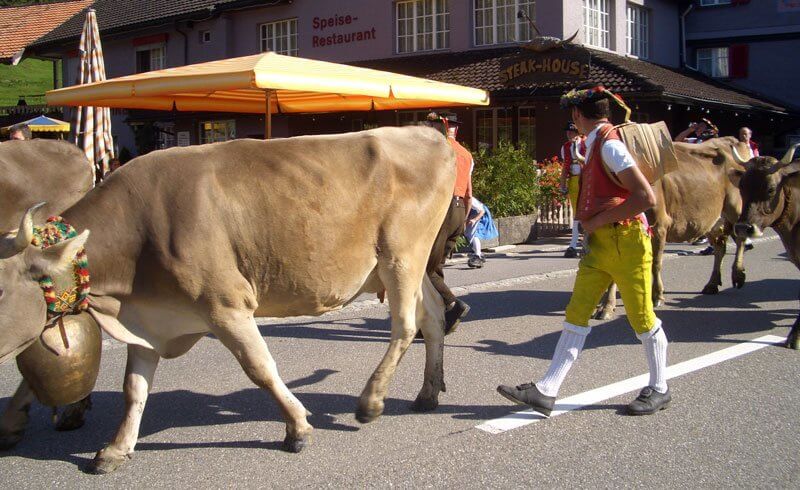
476 245
655 349
568 348
574 241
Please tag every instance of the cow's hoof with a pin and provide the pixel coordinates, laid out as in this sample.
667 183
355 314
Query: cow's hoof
365 415
8 441
425 404
295 444
102 465
738 280
710 289
70 420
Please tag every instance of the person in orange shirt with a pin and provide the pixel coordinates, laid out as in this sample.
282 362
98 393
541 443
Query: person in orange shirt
453 226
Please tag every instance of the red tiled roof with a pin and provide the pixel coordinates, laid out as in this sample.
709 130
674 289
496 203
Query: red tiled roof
622 74
19 26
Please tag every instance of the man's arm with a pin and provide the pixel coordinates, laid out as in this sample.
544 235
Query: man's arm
685 134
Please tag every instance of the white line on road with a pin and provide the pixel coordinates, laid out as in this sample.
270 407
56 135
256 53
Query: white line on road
519 419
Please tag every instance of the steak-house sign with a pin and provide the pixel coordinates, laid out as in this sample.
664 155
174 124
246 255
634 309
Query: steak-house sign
556 65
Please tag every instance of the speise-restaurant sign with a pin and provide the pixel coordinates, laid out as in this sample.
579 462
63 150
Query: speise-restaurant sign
556 65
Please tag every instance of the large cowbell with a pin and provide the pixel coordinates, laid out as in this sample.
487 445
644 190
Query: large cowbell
62 366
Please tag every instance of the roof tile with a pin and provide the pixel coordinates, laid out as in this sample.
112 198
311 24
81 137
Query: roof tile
19 26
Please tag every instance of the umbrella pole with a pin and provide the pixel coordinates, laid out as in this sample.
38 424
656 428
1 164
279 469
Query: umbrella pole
268 115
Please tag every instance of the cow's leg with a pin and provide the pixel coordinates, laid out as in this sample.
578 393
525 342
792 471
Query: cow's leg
74 415
430 319
793 340
15 417
659 241
402 280
715 281
141 367
239 333
738 275
608 303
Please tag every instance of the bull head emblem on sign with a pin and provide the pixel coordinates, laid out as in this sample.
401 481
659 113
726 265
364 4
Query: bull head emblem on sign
540 43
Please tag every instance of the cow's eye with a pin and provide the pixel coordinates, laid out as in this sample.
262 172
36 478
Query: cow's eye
1 293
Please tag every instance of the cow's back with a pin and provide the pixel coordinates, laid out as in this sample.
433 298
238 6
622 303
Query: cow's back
51 171
303 219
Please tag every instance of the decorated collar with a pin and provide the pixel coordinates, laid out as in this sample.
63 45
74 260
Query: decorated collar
76 297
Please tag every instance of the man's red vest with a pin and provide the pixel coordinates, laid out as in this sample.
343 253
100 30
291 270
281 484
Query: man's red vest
598 192
567 151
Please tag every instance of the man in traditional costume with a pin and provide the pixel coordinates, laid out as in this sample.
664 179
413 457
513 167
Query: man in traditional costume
613 197
570 178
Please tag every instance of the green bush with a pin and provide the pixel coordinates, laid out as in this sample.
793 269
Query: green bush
506 180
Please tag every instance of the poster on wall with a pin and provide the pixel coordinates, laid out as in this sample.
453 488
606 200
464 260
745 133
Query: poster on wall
183 138
788 5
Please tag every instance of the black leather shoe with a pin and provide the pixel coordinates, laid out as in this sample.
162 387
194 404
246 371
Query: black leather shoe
649 402
475 262
453 316
571 253
749 246
529 394
709 250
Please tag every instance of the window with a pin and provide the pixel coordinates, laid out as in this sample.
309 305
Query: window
280 37
707 3
205 37
713 62
215 131
595 23
638 33
150 57
423 25
527 129
165 135
496 21
493 126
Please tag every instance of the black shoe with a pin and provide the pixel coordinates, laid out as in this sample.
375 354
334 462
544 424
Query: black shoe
649 402
709 250
749 246
529 394
700 241
476 262
571 253
454 315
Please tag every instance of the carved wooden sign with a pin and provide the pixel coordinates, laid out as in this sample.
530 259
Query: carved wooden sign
569 64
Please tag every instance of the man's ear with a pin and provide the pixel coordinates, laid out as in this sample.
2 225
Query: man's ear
58 258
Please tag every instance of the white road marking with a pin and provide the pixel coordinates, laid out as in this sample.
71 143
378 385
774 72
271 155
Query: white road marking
575 402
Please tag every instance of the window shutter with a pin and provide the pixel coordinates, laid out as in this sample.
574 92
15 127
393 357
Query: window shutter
740 60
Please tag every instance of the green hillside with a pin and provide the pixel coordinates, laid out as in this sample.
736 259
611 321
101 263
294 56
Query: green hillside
30 78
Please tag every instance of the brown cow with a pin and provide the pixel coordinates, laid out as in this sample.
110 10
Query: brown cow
197 240
31 172
698 198
770 191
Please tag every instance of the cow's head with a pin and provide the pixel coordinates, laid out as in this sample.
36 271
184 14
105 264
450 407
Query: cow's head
761 186
23 311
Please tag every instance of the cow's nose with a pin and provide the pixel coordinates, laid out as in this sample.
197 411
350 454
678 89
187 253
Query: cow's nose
744 229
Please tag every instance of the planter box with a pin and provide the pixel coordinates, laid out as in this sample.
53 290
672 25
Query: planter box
516 229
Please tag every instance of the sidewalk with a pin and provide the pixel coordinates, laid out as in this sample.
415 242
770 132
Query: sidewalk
542 245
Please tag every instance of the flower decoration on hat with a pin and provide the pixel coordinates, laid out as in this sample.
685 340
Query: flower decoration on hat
576 97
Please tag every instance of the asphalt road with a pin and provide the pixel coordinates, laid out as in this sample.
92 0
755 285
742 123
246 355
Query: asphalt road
734 423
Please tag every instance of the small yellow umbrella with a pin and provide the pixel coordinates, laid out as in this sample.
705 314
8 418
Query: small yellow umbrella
268 83
44 124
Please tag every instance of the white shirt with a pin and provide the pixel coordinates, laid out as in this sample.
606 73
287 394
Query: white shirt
477 206
614 152
574 168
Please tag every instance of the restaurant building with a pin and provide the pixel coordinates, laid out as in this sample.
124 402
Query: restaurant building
635 48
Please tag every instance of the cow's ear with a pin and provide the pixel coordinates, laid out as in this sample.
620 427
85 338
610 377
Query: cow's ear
57 259
735 175
790 169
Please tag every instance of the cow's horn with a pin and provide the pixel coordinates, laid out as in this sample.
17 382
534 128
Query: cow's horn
789 156
737 156
570 39
25 233
576 150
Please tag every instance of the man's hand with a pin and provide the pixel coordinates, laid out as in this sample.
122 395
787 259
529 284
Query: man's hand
472 221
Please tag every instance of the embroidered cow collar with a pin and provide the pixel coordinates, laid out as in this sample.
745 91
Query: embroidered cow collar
73 298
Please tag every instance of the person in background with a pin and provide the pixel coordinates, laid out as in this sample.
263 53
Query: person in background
745 136
619 250
20 132
570 180
453 226
479 226
697 132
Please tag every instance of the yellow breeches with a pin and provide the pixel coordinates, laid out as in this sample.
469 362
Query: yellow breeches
573 188
620 253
